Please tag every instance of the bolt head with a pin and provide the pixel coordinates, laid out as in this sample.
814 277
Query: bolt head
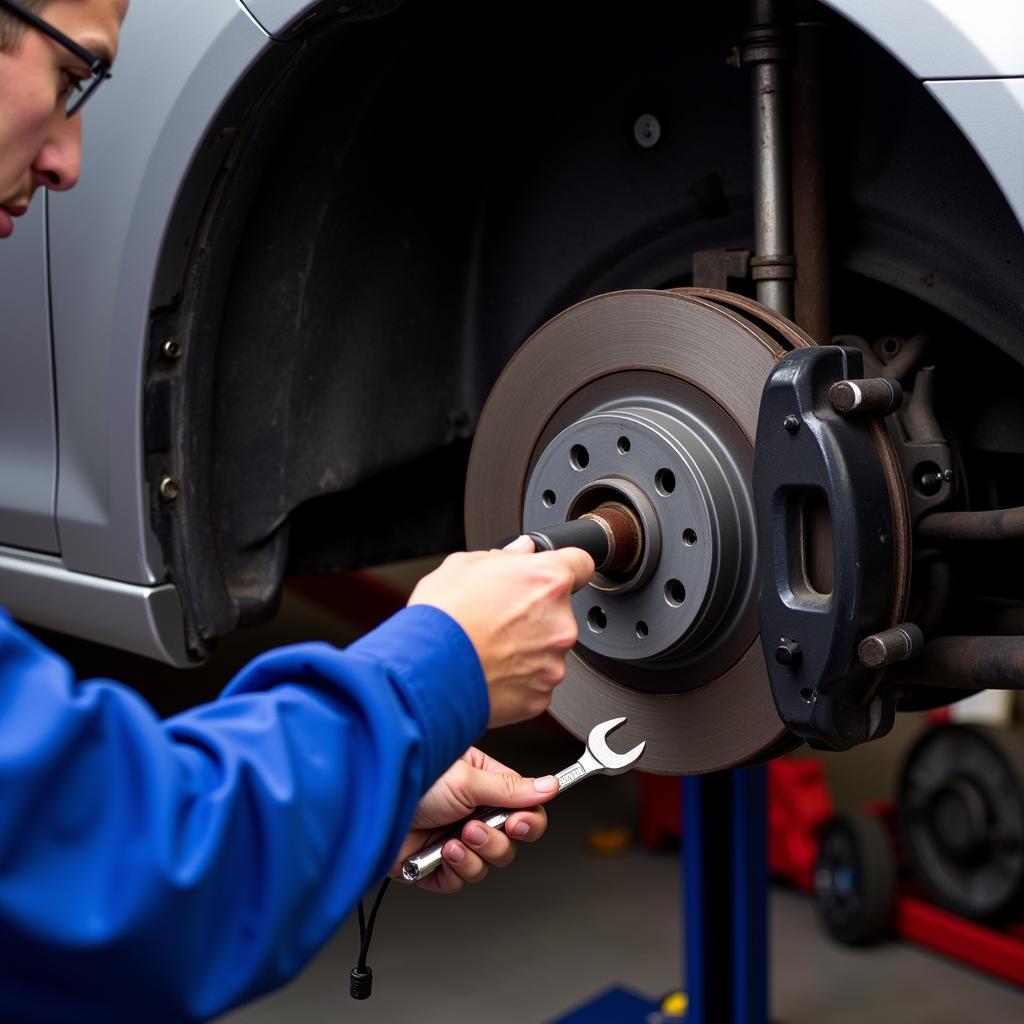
169 489
647 131
791 423
787 652
171 349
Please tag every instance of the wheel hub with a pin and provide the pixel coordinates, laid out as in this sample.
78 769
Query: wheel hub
667 465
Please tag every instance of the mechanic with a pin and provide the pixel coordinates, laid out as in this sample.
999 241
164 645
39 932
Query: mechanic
170 870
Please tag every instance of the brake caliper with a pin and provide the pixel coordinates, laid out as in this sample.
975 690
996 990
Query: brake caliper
830 517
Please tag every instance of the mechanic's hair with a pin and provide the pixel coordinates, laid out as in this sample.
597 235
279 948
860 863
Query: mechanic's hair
12 28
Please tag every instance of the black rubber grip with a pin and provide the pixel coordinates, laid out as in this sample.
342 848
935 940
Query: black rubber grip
580 533
360 983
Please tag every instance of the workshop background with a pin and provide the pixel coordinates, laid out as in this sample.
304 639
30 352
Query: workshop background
588 909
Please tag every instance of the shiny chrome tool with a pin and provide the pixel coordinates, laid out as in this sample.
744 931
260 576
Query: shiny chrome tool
597 759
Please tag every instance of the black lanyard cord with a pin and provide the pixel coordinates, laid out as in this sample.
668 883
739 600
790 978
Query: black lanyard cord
361 978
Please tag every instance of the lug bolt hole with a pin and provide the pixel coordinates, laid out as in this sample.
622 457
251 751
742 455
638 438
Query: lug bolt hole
596 619
689 537
665 481
675 593
641 630
548 497
623 445
579 457
808 696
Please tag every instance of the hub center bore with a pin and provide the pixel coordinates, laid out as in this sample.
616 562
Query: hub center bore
632 567
625 537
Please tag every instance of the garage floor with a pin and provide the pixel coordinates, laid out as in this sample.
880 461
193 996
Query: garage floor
531 942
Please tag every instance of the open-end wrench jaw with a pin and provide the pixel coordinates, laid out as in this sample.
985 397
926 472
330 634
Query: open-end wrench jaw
611 762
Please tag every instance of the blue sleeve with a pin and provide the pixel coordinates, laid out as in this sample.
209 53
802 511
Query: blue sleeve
166 871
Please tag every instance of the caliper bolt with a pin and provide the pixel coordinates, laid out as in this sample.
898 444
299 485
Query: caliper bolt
791 423
875 396
787 652
891 645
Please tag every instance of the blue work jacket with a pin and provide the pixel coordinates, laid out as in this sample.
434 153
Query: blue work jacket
168 870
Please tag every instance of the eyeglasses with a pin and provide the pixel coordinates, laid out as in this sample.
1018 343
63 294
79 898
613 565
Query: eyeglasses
99 69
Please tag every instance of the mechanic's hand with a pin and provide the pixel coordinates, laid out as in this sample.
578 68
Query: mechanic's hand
514 607
475 780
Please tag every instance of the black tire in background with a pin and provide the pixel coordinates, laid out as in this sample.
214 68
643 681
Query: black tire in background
961 813
855 879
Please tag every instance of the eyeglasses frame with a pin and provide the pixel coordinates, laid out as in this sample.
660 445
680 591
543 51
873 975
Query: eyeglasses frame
98 67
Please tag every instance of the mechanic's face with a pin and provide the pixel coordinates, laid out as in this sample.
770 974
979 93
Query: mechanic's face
39 145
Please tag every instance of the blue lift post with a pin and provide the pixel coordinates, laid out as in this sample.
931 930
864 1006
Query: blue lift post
725 886
725 889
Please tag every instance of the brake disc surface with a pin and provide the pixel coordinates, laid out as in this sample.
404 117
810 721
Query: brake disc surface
650 399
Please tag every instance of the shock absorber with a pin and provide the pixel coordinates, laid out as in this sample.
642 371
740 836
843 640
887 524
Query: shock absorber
766 51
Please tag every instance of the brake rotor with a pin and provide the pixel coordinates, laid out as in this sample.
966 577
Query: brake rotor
648 399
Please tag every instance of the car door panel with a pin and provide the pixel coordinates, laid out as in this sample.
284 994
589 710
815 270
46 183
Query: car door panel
28 429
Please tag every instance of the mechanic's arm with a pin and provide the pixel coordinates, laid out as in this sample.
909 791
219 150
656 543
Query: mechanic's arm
167 871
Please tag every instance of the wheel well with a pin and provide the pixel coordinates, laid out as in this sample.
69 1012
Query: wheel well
410 197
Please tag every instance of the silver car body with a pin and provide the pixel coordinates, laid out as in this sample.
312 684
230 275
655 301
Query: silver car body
81 276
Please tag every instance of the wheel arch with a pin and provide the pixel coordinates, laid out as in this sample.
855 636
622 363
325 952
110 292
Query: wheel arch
470 242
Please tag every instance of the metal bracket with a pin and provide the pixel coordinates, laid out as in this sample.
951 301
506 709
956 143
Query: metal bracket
713 268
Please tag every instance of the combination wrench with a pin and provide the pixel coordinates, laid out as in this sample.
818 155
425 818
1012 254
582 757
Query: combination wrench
597 759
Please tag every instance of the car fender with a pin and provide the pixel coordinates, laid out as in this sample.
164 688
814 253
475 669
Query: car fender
106 240
970 57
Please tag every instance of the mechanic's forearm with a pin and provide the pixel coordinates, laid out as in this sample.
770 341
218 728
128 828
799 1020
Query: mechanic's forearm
204 860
